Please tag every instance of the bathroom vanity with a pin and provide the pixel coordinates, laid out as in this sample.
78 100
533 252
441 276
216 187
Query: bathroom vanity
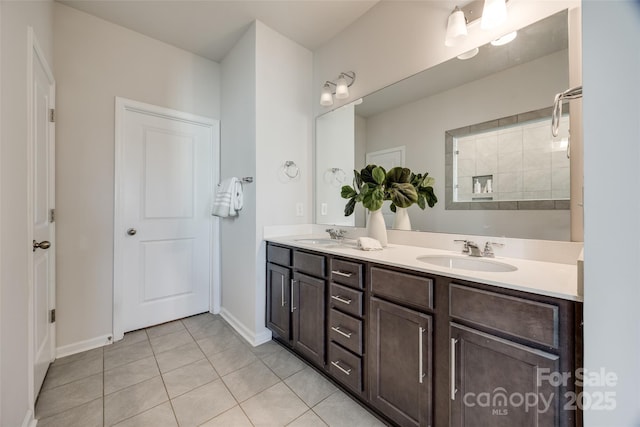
425 345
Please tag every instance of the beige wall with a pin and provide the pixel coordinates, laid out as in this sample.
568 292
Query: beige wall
96 61
15 402
266 120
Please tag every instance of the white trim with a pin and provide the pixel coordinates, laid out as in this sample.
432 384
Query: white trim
1 224
29 420
80 346
253 339
122 105
35 52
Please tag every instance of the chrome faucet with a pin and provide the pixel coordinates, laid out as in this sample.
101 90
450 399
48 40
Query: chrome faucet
488 249
336 233
472 249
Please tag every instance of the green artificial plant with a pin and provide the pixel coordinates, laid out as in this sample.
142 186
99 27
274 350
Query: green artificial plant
373 185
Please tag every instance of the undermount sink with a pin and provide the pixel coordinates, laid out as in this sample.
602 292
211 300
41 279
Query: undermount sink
467 263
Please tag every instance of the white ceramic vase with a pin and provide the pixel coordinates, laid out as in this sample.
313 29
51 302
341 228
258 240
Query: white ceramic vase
401 220
376 228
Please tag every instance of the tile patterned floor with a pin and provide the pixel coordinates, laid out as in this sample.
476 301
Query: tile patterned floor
192 372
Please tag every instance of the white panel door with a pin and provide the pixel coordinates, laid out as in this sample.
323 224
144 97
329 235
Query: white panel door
41 202
166 226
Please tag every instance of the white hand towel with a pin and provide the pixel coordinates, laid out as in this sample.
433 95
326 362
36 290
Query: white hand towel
228 199
369 244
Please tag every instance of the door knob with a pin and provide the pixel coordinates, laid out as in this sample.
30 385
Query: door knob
45 244
132 231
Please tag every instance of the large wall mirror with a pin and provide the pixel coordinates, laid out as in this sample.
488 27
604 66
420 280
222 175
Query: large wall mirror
406 124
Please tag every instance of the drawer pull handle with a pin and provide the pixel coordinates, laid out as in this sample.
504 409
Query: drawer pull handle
341 299
293 301
337 365
341 332
454 390
341 273
420 367
282 291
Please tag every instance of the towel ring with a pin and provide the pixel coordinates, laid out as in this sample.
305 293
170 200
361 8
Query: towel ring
335 176
290 169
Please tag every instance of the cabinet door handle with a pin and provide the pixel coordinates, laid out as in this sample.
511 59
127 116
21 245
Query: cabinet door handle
420 362
293 307
341 332
337 365
341 299
282 302
454 390
341 273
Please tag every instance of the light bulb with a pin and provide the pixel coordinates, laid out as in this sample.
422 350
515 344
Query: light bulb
326 98
494 13
342 89
456 27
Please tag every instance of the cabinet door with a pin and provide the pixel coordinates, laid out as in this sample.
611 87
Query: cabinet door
309 317
400 363
278 300
496 382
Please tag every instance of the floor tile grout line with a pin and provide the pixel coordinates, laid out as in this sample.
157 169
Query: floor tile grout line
173 410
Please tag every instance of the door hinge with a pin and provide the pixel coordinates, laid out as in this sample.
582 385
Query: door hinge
52 316
52 215
52 115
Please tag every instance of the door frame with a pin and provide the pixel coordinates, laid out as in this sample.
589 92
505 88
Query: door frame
35 53
122 105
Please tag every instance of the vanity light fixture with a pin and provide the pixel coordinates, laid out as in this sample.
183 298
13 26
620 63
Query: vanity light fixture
491 14
456 27
326 98
342 85
468 54
494 13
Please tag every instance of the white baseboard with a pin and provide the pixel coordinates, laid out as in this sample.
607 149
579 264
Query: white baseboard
79 347
251 337
29 420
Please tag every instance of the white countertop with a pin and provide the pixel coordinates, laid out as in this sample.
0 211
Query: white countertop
538 277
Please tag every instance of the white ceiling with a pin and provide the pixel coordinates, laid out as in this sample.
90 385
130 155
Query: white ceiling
210 28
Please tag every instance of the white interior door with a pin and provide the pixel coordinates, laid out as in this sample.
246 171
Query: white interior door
41 204
164 225
388 159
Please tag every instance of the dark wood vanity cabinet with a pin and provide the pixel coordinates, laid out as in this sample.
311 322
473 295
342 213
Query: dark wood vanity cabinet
296 288
308 317
507 350
400 378
278 300
400 357
426 350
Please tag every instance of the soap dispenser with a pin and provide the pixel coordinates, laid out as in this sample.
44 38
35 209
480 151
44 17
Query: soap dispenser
477 188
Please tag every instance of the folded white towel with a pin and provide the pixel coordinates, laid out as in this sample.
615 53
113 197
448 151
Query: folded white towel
369 244
228 199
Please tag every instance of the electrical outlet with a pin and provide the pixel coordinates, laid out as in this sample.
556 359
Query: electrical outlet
299 209
323 209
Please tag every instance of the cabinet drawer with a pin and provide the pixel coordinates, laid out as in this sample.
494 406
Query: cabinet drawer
346 299
345 367
346 330
531 320
279 255
347 273
309 263
406 288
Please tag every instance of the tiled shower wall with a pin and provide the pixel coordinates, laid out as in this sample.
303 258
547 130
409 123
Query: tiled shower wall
526 162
